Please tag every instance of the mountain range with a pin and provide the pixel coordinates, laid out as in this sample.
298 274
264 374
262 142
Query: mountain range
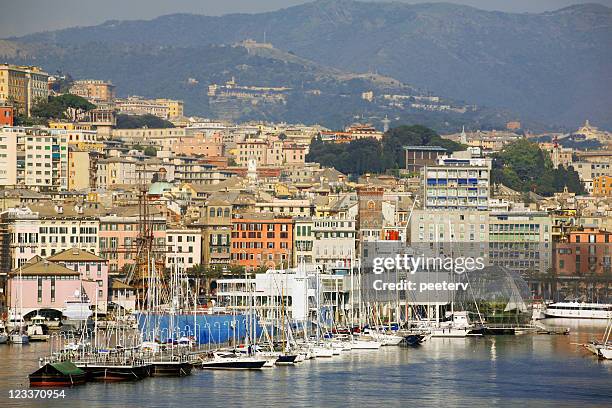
554 67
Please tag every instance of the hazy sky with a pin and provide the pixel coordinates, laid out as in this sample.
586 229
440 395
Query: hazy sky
19 17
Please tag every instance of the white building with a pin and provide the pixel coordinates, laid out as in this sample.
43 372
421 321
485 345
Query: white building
334 242
298 287
457 184
183 248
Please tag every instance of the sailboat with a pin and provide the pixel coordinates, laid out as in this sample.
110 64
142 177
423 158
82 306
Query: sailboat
603 348
18 336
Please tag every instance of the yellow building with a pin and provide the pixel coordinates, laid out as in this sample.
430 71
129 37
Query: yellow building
78 170
69 125
175 108
94 90
602 186
22 86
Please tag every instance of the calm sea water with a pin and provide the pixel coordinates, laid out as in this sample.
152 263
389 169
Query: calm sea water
529 370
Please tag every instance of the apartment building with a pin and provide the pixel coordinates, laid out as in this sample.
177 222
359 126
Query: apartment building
587 252
94 90
270 152
457 184
334 242
287 207
521 241
183 248
216 226
303 240
119 239
261 240
22 86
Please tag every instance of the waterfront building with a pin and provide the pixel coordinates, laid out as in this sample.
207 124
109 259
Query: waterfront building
587 252
47 283
261 240
334 242
296 287
521 241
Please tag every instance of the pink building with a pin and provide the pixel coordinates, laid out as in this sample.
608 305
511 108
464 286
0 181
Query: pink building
48 283
200 145
118 235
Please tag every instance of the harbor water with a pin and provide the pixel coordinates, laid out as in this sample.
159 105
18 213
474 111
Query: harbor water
524 370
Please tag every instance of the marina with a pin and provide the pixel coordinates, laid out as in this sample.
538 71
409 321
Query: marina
491 370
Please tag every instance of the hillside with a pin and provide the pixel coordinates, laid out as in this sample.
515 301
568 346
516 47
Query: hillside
555 66
314 93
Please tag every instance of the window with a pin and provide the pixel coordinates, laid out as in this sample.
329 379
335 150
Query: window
39 289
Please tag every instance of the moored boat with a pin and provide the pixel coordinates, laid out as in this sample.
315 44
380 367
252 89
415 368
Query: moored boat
577 310
171 368
231 361
115 372
61 374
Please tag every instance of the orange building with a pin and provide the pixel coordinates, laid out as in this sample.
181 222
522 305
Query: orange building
261 240
7 115
602 186
587 252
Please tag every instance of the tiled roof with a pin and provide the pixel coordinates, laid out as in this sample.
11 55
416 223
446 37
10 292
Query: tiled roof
75 255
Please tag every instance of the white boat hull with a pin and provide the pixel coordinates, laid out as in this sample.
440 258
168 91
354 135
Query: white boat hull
578 314
19 339
323 352
450 332
365 345
606 353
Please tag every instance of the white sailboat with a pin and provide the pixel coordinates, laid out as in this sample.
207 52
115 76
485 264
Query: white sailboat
19 336
603 348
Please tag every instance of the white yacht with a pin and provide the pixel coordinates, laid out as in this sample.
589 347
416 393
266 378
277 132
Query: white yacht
576 310
3 334
37 329
459 326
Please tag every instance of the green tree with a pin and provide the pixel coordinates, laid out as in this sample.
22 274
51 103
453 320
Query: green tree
141 121
524 167
56 107
150 151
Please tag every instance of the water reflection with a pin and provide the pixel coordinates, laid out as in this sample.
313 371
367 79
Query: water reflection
490 371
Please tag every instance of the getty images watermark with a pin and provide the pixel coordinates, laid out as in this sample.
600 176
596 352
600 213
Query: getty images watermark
433 267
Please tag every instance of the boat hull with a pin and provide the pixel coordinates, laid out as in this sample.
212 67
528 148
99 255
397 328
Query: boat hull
233 365
288 359
171 369
115 373
57 381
